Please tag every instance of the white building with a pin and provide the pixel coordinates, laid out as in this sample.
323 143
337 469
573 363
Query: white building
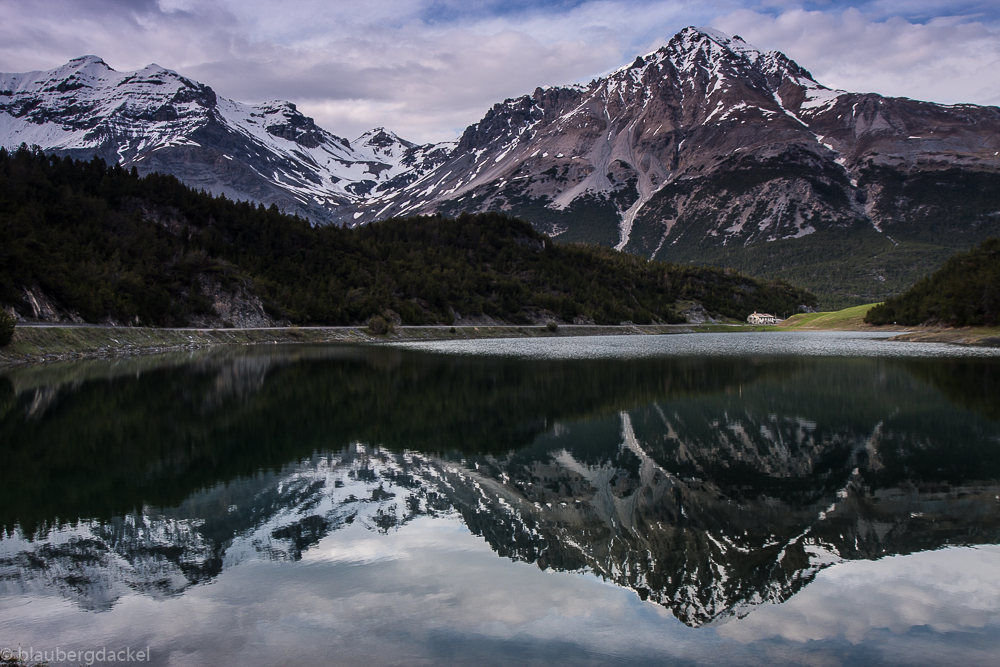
762 318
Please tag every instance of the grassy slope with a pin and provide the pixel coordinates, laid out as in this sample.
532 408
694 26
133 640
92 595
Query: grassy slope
852 319
848 319
843 267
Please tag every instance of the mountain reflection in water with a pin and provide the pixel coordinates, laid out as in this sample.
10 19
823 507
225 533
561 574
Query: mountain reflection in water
706 485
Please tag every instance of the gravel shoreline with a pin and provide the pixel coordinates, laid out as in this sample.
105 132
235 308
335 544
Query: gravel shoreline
35 344
40 344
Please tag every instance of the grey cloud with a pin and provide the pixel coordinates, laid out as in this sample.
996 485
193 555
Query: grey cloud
946 60
126 34
418 78
411 74
428 68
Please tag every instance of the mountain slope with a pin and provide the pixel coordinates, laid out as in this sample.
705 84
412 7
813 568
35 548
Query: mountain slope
672 135
108 245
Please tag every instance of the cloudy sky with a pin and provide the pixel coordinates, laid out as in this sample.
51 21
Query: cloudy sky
428 68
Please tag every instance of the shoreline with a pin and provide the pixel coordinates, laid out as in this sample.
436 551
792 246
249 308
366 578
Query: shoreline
972 336
34 344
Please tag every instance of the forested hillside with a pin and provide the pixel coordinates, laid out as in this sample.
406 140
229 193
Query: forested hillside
106 245
963 292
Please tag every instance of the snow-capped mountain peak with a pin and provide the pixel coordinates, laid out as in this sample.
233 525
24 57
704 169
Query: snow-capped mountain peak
381 138
382 145
159 120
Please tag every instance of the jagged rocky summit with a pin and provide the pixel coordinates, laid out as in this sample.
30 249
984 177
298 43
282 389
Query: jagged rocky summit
705 147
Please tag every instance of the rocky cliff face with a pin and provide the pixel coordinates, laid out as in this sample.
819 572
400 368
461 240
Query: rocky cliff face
230 305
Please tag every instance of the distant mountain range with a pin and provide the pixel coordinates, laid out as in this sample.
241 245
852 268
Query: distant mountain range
706 150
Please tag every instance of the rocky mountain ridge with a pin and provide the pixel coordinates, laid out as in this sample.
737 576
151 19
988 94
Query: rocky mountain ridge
703 103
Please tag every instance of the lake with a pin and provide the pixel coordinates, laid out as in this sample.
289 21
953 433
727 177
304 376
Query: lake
704 499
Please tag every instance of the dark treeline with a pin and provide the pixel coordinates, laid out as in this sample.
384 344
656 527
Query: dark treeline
112 246
965 291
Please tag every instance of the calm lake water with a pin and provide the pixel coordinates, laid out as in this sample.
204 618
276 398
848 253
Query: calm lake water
730 499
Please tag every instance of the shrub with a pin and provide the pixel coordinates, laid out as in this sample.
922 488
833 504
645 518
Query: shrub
551 326
6 327
378 325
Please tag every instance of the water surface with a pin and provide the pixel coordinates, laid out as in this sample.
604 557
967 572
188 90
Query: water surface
705 500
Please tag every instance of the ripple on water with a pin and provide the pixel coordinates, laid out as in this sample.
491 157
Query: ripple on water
818 344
